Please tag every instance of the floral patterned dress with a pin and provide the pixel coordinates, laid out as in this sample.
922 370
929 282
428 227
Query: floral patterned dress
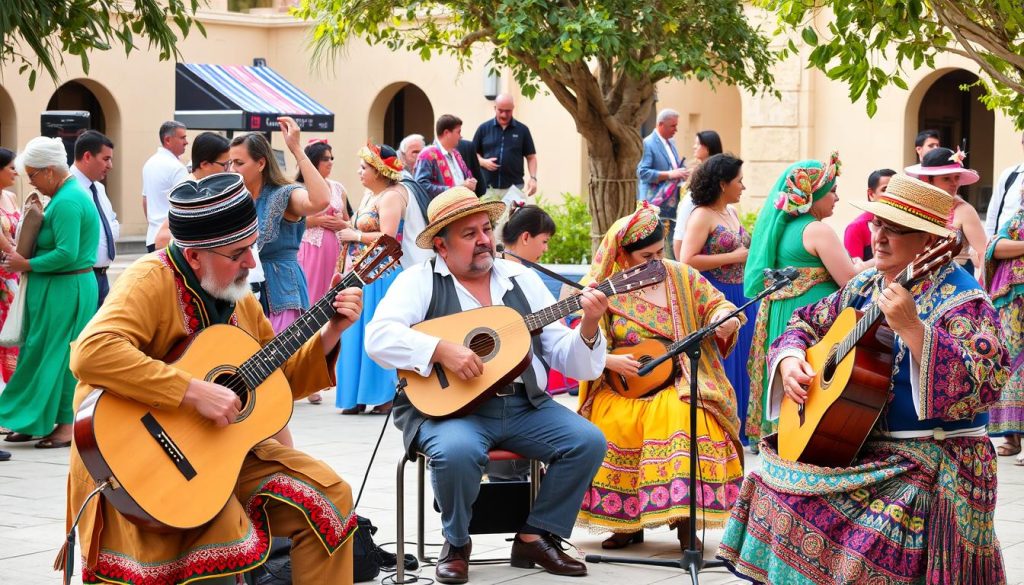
644 479
8 286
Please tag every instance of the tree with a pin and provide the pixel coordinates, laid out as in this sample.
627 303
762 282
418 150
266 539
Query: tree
37 34
601 59
912 32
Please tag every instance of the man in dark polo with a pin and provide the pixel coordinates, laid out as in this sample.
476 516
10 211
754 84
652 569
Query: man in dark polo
501 144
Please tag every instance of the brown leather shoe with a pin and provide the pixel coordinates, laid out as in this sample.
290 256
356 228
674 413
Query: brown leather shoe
546 552
453 564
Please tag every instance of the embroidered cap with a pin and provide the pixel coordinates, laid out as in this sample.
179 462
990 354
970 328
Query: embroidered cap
452 205
214 211
914 204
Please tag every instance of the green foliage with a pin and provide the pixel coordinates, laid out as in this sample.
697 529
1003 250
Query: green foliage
571 242
910 33
748 219
38 34
246 5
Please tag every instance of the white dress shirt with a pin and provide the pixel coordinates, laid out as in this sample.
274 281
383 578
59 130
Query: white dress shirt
1010 199
413 226
391 343
102 258
160 174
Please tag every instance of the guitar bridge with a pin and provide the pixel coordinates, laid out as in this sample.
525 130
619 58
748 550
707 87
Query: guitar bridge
169 447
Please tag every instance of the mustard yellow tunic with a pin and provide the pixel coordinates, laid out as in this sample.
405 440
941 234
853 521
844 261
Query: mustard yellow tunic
644 480
149 311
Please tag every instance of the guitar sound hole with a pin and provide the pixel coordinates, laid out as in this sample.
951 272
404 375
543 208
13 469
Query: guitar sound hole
828 371
233 381
482 344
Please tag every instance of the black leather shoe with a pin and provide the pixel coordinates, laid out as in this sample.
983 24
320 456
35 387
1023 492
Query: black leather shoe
4 455
547 552
453 564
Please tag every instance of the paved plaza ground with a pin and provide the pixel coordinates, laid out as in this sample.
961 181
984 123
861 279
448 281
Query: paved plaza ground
32 487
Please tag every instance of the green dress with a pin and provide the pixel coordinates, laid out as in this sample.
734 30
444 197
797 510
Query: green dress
59 301
814 284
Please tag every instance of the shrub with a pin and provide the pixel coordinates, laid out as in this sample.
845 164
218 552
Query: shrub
748 219
571 242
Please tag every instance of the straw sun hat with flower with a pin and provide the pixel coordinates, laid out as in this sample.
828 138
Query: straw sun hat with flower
912 203
453 205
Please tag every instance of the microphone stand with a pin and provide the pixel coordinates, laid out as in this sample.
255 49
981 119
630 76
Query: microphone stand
693 559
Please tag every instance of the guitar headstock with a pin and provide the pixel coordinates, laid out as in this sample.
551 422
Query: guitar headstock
934 258
637 277
377 259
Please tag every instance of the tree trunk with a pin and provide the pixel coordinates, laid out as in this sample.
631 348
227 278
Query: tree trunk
613 189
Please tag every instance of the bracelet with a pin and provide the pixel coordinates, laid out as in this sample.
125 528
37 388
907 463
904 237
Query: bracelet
591 340
359 236
534 177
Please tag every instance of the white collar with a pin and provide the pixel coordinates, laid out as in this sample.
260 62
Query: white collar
85 181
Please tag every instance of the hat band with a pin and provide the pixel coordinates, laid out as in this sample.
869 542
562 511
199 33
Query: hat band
914 210
943 169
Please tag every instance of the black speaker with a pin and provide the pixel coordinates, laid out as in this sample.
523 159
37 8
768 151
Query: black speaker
501 507
66 125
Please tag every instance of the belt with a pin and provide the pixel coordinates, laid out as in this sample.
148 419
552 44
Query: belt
511 389
99 270
82 271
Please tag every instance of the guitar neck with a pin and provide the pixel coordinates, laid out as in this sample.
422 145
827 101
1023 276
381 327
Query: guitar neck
871 315
544 317
263 363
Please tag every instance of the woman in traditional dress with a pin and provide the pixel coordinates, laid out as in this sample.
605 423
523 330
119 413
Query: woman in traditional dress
360 380
60 298
9 216
1004 279
716 244
282 208
644 481
790 232
318 254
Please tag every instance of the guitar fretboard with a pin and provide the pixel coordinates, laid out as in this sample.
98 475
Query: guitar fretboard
613 286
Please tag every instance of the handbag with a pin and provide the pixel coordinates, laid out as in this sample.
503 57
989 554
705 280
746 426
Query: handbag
11 335
29 225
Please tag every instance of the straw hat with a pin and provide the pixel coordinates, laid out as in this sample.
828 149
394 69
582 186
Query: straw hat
914 204
454 204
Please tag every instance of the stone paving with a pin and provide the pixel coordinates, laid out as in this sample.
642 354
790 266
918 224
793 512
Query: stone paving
32 488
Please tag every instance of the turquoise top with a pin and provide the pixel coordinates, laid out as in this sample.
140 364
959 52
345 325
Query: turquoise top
70 232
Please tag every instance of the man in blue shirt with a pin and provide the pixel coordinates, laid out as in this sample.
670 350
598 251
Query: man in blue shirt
501 144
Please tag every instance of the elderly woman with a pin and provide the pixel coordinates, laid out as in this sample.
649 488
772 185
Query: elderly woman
790 232
644 480
60 298
360 380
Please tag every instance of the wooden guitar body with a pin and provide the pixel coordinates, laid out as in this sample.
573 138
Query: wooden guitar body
497 334
843 401
663 375
175 468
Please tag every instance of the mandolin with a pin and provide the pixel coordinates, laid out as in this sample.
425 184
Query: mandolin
851 385
501 336
176 469
662 376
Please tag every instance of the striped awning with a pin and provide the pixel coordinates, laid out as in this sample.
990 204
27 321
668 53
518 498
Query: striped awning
240 97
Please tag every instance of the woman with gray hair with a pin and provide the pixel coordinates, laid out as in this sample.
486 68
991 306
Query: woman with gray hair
60 298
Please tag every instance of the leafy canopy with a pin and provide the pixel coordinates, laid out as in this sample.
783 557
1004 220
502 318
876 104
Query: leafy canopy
39 33
861 34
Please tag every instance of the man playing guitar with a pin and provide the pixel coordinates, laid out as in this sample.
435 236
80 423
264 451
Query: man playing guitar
522 417
917 503
199 280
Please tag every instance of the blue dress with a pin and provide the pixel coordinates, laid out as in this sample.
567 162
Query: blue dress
360 379
729 280
278 243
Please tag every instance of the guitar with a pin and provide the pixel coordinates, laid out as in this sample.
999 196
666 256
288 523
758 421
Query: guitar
851 385
639 386
176 469
501 337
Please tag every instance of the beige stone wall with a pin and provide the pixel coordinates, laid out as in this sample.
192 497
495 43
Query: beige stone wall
812 117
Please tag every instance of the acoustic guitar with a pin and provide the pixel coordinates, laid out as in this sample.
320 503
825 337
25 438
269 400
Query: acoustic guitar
502 338
851 386
175 468
662 376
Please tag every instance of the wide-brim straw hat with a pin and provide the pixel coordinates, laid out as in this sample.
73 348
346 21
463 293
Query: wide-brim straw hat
967 176
452 205
912 203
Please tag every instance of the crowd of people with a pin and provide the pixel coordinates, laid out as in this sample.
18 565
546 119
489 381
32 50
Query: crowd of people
233 240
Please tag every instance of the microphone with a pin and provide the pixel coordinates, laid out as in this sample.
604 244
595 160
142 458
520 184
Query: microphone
788 273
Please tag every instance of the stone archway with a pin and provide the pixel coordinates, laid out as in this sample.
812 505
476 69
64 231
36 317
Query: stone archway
938 103
8 121
398 110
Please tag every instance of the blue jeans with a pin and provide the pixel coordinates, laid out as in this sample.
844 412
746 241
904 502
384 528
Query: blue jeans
571 446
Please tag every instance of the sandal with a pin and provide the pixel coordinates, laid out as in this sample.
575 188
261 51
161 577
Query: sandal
354 410
19 438
382 408
683 533
48 443
315 398
1008 448
622 540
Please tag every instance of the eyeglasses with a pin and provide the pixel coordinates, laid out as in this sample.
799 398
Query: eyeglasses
32 175
224 165
236 256
892 230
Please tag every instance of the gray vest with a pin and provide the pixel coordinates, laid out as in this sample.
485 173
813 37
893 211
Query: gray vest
444 300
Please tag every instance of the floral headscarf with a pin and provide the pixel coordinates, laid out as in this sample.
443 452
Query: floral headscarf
794 193
610 256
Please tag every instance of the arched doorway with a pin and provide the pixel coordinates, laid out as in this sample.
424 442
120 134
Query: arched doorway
963 121
8 121
401 109
74 95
